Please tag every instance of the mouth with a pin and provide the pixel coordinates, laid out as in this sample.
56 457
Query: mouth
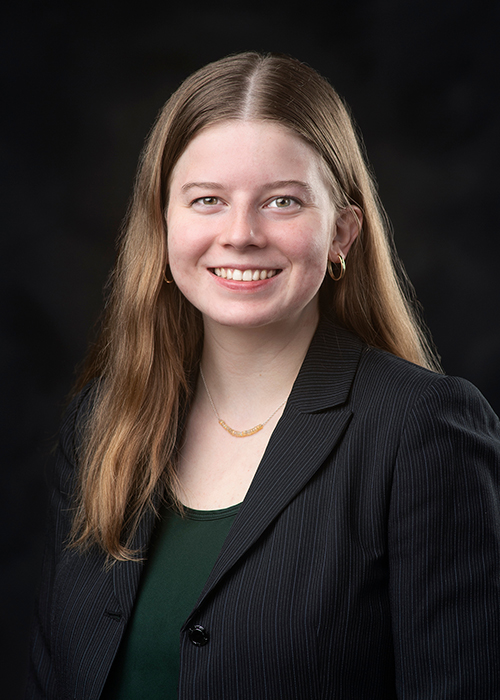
250 275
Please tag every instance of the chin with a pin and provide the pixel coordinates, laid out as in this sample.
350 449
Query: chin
232 322
257 320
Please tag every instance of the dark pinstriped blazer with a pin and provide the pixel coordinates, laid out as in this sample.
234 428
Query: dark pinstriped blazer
364 563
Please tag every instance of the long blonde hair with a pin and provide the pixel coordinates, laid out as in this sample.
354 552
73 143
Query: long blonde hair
146 357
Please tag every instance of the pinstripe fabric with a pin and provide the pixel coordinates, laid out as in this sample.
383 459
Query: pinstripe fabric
364 563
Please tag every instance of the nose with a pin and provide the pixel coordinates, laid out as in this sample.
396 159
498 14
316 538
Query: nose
242 229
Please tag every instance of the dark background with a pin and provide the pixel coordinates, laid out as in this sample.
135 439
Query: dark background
82 84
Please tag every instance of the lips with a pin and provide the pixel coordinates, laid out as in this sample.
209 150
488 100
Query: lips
250 275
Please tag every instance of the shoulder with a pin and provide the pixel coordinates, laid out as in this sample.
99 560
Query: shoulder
396 403
390 378
340 369
75 418
65 465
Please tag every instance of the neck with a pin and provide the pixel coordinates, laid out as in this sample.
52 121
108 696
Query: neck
250 371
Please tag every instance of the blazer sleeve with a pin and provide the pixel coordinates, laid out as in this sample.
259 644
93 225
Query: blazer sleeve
444 547
42 682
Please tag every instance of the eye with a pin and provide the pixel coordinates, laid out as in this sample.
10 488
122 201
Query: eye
207 201
283 203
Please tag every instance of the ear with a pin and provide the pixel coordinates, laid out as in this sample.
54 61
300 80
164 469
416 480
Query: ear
348 225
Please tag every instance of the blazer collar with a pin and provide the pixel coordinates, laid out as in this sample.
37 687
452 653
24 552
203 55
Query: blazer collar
329 366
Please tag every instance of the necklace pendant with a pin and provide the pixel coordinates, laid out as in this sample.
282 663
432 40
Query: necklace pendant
241 433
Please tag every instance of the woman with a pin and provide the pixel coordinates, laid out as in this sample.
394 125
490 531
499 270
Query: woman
263 489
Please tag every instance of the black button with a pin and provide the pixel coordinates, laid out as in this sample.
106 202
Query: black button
198 635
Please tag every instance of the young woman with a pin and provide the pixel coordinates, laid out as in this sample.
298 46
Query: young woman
264 488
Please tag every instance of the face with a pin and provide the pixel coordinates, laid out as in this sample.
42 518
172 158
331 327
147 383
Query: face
250 225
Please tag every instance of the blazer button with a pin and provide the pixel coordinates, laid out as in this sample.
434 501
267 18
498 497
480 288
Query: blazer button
198 635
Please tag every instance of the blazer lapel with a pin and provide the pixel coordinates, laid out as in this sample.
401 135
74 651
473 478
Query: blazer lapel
126 575
305 435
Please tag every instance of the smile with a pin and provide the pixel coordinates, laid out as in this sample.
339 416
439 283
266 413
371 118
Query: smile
244 275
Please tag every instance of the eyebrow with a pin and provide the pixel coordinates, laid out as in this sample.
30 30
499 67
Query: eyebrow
278 184
291 183
204 185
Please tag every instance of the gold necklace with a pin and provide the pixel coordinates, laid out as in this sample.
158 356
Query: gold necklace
237 433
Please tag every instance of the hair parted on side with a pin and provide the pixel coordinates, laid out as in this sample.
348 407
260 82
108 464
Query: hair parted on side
150 342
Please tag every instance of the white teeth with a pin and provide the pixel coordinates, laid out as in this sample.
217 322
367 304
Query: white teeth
243 275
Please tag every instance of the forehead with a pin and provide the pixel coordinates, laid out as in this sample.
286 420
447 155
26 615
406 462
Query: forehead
236 149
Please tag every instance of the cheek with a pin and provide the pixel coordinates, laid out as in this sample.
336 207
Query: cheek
311 247
185 241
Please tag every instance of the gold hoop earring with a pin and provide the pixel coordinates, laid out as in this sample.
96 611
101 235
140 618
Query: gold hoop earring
342 268
165 278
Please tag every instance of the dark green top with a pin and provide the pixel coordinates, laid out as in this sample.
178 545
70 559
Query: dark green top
182 554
